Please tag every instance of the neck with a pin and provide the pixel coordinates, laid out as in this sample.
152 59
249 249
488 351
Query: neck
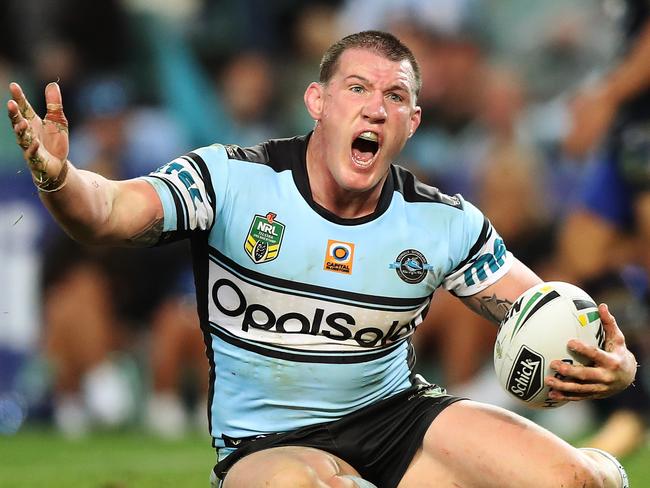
329 194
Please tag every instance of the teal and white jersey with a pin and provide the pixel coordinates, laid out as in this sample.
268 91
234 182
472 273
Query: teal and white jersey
308 316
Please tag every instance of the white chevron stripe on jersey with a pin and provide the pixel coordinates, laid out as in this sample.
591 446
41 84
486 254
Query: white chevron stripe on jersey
304 322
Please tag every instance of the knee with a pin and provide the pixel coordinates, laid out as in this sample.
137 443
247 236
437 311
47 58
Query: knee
290 467
582 473
295 475
286 474
303 476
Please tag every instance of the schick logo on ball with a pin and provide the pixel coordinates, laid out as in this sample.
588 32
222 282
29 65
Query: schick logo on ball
527 374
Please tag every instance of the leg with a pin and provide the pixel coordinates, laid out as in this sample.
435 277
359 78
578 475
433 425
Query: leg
291 467
79 336
476 445
80 324
176 345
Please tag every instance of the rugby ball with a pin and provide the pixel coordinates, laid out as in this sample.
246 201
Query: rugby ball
536 331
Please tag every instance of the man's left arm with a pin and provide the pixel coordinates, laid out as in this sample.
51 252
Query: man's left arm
613 369
494 301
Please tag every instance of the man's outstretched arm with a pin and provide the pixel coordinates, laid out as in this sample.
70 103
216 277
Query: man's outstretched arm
89 207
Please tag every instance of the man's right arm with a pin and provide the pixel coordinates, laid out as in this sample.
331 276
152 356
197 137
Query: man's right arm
594 108
95 210
89 207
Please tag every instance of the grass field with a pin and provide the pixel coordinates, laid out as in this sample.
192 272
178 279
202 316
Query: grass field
40 458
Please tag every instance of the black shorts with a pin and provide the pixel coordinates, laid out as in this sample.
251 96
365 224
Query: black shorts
379 441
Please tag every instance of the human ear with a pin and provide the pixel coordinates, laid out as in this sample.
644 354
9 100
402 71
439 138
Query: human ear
416 118
314 100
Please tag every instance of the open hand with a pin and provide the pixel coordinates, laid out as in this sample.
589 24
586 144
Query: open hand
613 369
44 142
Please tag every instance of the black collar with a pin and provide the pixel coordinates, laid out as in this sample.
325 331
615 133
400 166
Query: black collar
299 170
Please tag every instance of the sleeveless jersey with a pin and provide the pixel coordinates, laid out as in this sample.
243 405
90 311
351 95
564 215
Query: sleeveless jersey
307 316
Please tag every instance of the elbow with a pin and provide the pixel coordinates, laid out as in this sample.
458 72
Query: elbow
88 233
84 236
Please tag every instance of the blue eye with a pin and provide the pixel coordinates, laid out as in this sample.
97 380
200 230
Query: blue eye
357 89
395 97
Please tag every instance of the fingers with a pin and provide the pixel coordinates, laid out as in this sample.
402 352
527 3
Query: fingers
14 113
54 103
24 137
24 133
579 372
597 355
578 389
575 389
19 112
53 93
614 339
37 164
574 396
613 335
25 108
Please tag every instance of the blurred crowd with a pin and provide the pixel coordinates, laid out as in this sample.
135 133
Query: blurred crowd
102 338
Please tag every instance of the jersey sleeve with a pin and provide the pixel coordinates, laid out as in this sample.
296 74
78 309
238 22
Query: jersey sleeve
186 190
480 255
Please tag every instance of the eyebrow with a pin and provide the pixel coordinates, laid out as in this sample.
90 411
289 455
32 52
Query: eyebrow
394 87
358 77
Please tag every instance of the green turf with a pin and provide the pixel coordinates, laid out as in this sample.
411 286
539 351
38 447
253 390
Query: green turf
40 458
638 468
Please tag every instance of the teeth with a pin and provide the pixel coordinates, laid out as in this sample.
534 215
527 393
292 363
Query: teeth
369 136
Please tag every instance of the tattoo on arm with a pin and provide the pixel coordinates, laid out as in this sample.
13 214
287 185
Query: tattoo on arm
492 308
149 236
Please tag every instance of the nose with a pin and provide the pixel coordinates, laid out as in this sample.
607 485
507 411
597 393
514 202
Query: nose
374 109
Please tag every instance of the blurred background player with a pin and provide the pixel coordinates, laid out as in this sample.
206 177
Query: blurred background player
604 243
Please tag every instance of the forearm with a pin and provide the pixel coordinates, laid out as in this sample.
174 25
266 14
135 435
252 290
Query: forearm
494 302
83 206
89 207
632 76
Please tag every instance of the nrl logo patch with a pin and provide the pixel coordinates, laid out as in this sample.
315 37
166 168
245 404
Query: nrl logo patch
264 238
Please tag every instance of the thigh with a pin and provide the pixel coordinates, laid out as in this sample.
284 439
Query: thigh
477 445
290 466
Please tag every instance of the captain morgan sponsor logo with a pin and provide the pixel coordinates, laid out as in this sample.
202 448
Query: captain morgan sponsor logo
339 256
230 301
264 238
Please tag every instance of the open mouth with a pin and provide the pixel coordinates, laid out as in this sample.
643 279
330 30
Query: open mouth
365 147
